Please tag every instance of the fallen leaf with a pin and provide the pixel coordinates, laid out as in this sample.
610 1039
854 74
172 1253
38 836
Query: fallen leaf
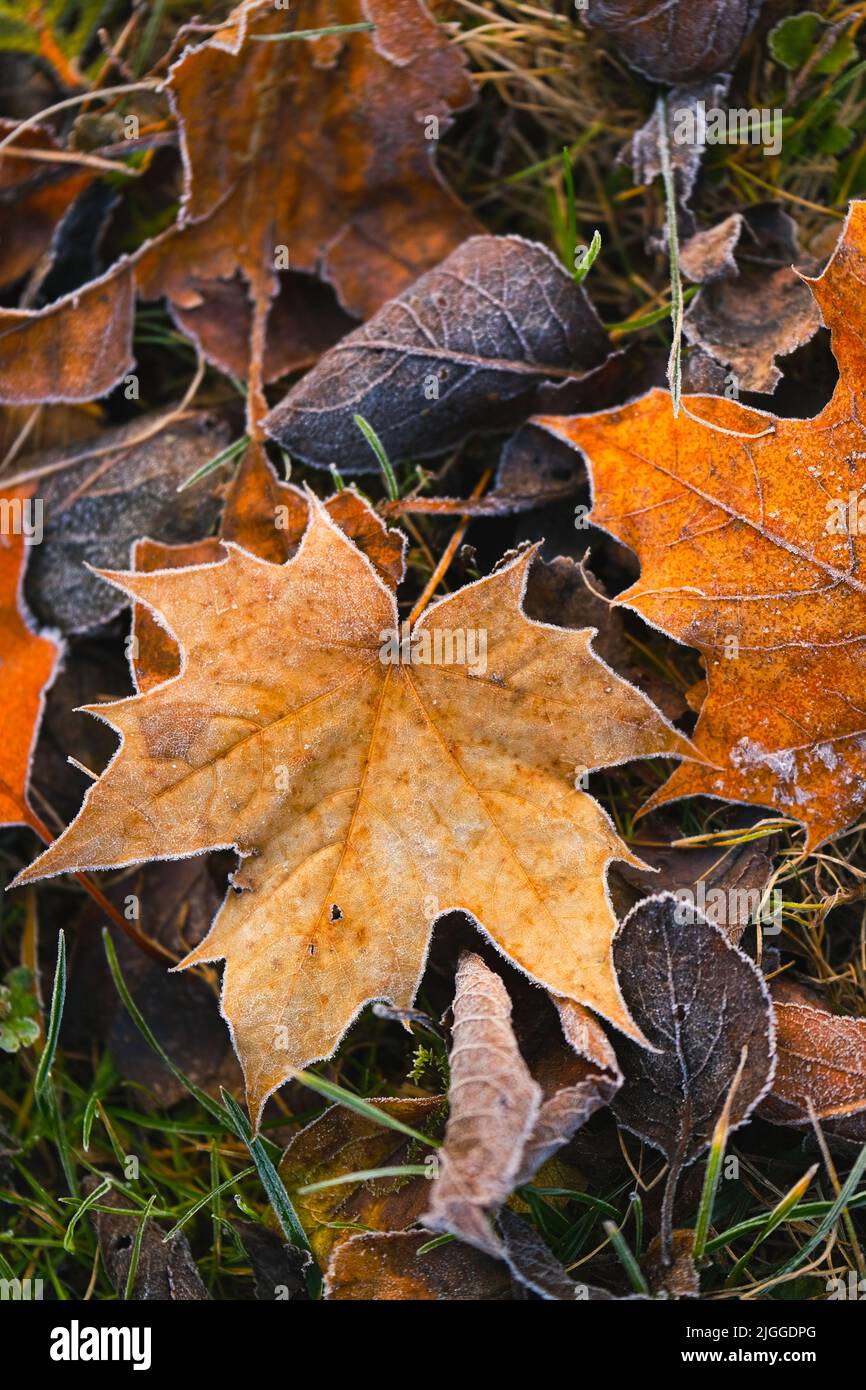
747 554
305 320
341 1142
494 1108
676 41
154 656
703 1006
502 1125
822 1061
27 664
468 345
386 1267
751 311
534 1266
76 349
366 796
96 508
352 193
36 429
267 517
278 1269
575 1081
165 1271
569 594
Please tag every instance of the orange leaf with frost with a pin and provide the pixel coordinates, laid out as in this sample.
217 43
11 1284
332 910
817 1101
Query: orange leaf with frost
27 663
743 526
366 795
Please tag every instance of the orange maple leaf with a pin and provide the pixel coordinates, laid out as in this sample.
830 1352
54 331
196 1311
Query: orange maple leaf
366 794
750 532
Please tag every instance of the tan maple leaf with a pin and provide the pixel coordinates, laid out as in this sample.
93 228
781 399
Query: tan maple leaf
751 532
365 795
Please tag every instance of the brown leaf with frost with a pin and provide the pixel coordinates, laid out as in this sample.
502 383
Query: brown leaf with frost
677 40
503 1124
387 1266
166 1270
821 1062
495 1104
366 793
703 1005
96 507
76 349
341 1142
755 307
470 345
317 146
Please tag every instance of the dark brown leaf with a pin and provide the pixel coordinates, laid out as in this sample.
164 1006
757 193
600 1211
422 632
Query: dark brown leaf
726 885
342 1141
677 40
701 1002
469 343
166 1270
278 1269
536 1268
563 593
95 509
34 195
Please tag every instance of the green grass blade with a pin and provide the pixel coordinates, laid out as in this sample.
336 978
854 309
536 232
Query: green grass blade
829 1221
135 1254
626 1258
782 1210
413 1170
335 1093
208 1197
378 448
58 998
273 1185
89 1201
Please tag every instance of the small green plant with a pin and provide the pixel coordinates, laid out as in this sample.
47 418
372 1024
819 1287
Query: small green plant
19 1011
